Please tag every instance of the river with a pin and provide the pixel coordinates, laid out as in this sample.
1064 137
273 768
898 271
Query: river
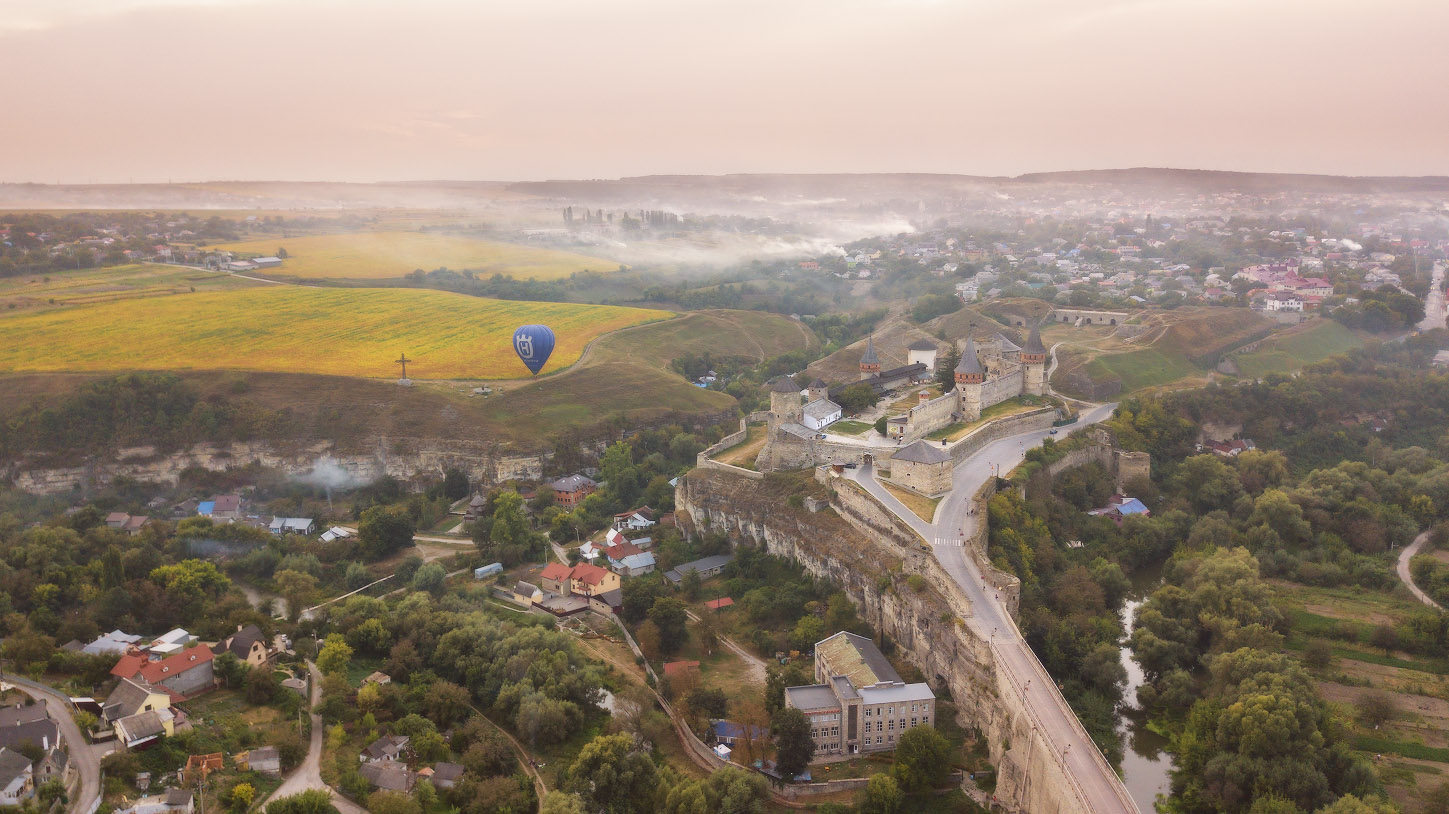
1146 764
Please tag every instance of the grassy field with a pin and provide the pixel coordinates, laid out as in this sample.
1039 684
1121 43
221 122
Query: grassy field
1144 368
352 332
850 427
1315 342
744 453
924 507
390 255
32 292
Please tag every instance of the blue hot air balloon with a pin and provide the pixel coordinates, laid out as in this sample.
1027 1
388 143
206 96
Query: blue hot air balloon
534 344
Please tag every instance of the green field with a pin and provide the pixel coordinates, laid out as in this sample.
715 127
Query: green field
1144 368
1320 340
392 255
56 289
348 332
850 427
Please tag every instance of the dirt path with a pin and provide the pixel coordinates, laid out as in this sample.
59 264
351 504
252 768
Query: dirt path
758 668
1406 577
308 775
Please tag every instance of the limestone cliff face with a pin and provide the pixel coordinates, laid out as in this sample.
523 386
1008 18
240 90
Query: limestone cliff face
872 557
403 458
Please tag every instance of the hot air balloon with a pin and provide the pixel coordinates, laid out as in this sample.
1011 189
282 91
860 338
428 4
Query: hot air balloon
534 344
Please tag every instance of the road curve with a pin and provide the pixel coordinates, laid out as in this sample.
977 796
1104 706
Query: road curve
309 774
1098 786
87 757
1410 551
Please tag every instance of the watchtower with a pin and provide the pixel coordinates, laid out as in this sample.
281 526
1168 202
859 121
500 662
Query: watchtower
785 406
869 362
1033 357
969 377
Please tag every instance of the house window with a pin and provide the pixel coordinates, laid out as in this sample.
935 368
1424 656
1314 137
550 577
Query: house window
913 707
913 722
891 725
877 738
867 712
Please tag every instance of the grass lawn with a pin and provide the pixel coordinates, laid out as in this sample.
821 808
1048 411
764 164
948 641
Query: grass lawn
924 507
392 255
57 289
743 454
358 332
849 426
1295 348
1141 369
1354 605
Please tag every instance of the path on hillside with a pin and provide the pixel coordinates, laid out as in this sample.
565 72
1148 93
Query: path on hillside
757 665
1410 551
308 775
87 756
1097 785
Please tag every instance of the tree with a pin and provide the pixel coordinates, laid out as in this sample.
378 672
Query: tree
260 685
509 538
561 802
880 425
1350 804
1385 638
946 368
794 746
648 637
856 397
670 616
1375 708
384 531
923 759
613 774
809 630
446 703
881 795
298 589
455 484
311 801
392 802
738 791
242 795
335 656
1317 654
430 578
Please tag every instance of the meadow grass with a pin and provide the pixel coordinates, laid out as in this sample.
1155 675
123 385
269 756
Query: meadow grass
348 332
392 255
1295 349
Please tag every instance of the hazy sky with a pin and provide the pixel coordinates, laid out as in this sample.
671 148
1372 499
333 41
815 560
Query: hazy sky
115 90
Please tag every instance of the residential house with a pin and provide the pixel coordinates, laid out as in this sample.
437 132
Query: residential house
26 728
387 747
114 643
292 525
634 519
132 696
526 592
263 759
860 703
17 781
820 414
248 644
141 729
186 673
706 568
389 775
224 508
169 643
477 507
377 677
1120 506
447 775
571 490
731 734
555 578
171 801
633 565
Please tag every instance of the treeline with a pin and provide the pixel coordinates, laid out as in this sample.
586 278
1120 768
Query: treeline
1382 310
153 409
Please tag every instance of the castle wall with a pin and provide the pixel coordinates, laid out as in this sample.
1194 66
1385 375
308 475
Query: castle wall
926 478
997 389
1122 465
1088 316
924 419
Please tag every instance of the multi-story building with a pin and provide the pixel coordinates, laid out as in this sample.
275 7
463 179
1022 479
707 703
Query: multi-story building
860 703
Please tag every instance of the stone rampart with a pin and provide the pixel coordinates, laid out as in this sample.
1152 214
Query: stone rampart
1007 385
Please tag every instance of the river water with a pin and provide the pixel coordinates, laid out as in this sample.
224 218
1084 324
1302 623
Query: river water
1146 764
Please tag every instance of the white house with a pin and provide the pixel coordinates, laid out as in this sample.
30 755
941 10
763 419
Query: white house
820 413
1282 301
292 525
634 519
17 780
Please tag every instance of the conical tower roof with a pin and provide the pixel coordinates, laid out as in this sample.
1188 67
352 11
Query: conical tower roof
817 384
785 384
969 364
1033 342
869 357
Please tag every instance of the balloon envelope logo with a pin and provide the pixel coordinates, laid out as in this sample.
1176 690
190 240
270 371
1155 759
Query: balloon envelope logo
534 344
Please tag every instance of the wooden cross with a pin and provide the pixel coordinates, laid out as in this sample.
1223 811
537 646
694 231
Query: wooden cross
404 362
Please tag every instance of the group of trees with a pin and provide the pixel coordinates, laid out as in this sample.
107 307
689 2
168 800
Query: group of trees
1382 310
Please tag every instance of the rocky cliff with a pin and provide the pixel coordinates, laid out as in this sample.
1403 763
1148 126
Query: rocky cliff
873 559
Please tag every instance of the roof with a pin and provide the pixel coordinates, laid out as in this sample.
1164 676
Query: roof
589 574
117 518
42 734
571 483
922 344
129 665
704 564
447 771
1006 344
869 357
734 731
677 667
922 452
969 364
722 602
522 588
188 659
386 745
896 693
127 698
12 765
843 688
177 797
556 571
1033 341
856 658
1132 506
813 696
142 725
240 643
785 384
818 383
21 714
264 753
226 503
641 560
387 775
821 408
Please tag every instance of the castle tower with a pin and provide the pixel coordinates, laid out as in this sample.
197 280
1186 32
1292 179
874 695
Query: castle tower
969 377
1033 356
817 391
869 362
785 407
922 351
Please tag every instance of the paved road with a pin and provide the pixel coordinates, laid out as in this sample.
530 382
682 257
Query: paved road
1434 309
85 756
1409 552
1097 784
309 774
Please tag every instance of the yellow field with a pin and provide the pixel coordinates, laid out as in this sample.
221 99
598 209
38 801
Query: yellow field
388 255
347 332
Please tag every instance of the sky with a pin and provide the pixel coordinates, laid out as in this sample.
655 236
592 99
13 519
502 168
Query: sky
111 91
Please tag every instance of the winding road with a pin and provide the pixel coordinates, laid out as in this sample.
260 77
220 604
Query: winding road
309 774
1405 557
1098 786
